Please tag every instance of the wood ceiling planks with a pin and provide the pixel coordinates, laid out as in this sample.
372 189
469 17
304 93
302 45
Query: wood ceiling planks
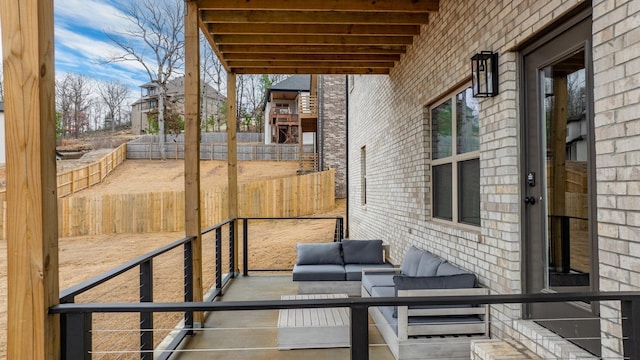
312 36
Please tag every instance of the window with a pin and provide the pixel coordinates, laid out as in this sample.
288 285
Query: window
456 159
363 175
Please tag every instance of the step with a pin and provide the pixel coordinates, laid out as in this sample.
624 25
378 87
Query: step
499 350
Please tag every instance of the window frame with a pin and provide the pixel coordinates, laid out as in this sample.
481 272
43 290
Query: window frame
454 159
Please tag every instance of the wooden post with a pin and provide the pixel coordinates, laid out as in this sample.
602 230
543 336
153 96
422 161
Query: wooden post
192 148
32 221
558 164
232 158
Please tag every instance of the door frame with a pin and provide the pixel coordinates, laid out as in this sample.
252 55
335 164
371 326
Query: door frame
578 18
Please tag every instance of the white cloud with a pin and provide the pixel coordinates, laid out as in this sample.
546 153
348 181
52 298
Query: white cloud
96 14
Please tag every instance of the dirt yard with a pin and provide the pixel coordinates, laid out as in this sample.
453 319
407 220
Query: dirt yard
84 257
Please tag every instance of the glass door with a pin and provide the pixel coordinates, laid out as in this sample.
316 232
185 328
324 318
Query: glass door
559 221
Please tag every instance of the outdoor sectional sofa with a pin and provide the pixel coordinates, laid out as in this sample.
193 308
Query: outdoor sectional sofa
443 332
333 268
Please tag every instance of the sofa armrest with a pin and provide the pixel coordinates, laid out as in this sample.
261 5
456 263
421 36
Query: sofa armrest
404 313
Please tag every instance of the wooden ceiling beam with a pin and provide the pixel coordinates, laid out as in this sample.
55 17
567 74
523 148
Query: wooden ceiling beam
312 40
323 5
312 29
336 70
307 64
312 49
311 57
311 17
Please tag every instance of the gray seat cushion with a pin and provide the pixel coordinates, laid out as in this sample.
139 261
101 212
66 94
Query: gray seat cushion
319 254
369 281
326 272
354 271
362 251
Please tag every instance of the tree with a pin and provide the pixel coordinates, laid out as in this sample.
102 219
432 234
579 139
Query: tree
157 26
113 94
73 99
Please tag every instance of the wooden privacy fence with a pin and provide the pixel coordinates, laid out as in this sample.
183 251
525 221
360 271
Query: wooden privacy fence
72 181
164 211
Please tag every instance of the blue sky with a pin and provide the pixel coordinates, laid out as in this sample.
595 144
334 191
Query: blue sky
81 43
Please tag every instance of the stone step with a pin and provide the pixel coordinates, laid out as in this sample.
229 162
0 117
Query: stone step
499 350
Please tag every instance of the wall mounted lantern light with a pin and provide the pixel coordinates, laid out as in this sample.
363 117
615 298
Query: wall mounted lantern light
484 71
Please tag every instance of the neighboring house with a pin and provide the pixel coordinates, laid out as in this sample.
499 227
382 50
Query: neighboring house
2 141
212 103
294 106
535 189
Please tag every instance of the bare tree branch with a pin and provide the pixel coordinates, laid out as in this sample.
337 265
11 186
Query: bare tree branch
156 27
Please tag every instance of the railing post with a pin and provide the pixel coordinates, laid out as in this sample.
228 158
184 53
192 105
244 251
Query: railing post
245 247
631 328
76 344
339 233
218 258
232 246
146 318
188 283
359 332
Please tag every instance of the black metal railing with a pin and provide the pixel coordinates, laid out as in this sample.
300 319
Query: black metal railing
80 314
76 329
338 235
72 343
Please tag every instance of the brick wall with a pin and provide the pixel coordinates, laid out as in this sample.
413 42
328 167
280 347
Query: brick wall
616 59
333 107
388 115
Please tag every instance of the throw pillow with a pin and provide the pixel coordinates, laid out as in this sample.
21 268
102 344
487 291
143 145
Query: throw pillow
411 261
319 254
362 251
460 281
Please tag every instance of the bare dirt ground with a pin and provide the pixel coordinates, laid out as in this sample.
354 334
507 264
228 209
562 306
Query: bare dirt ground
82 258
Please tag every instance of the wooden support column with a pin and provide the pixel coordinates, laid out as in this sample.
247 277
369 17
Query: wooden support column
192 209
558 168
232 159
32 213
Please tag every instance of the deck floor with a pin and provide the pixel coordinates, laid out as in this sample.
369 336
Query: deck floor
253 334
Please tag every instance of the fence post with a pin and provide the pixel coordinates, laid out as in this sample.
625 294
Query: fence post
146 318
188 284
359 332
245 247
631 328
76 329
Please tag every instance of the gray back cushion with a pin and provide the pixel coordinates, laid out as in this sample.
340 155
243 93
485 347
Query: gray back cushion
428 265
411 261
316 254
362 251
447 268
460 281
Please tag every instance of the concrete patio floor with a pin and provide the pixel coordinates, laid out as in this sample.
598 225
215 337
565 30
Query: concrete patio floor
253 334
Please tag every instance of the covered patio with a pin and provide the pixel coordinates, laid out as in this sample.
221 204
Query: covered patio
351 37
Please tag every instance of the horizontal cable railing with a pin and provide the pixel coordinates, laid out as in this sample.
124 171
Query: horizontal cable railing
81 314
338 234
223 243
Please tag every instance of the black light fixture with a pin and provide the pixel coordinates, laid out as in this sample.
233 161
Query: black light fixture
484 71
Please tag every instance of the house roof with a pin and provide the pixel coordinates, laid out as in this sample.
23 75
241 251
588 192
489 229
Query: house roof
312 36
294 83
